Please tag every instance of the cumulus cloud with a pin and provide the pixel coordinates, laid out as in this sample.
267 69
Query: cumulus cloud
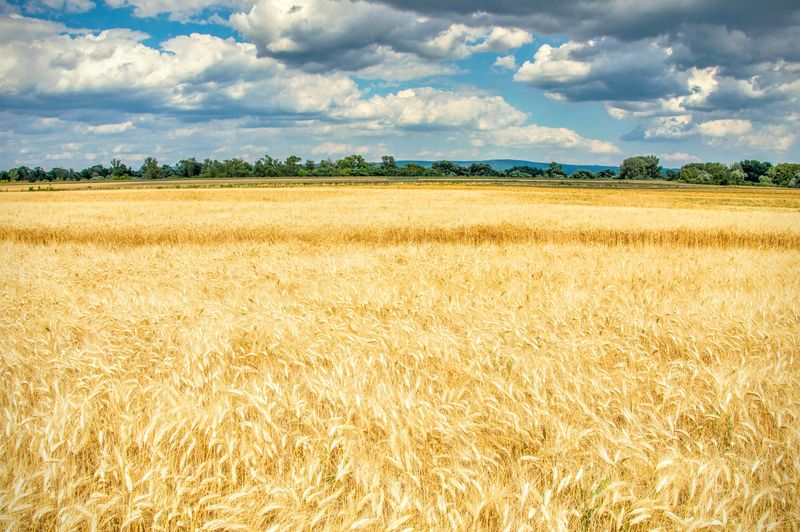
501 39
429 108
396 66
537 136
775 137
553 66
338 148
725 128
677 158
352 35
723 133
603 69
321 35
15 27
180 10
106 129
506 62
743 136
669 127
617 18
200 74
646 82
111 85
680 72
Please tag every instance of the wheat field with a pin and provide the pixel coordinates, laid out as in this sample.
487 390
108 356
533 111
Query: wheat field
389 358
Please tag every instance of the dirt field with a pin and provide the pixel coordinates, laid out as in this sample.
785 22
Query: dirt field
391 357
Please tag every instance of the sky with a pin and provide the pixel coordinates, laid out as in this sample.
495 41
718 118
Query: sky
588 82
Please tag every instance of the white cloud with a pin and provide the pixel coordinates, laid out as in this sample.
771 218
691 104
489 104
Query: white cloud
725 128
181 10
107 129
553 64
669 127
507 62
396 66
456 42
426 107
537 136
337 148
702 82
791 89
190 73
16 27
285 27
678 158
231 88
777 138
501 39
354 36
616 113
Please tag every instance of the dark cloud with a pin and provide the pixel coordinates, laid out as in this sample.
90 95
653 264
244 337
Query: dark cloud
618 18
351 35
733 50
733 96
731 34
322 36
604 70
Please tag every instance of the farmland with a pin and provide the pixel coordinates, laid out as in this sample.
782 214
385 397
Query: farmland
400 356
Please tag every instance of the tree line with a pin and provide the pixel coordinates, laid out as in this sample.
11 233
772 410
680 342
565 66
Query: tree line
746 172
641 167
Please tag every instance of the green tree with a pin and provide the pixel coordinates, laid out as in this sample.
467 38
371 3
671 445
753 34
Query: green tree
291 167
98 171
268 167
736 174
607 173
236 168
327 168
118 169
706 173
555 171
22 173
61 174
167 170
150 169
210 168
782 174
388 165
354 165
640 167
753 169
447 168
523 172
582 174
413 170
188 168
481 170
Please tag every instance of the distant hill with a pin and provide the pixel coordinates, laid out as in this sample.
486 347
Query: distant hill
505 164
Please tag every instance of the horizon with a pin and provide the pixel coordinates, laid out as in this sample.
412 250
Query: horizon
499 163
88 81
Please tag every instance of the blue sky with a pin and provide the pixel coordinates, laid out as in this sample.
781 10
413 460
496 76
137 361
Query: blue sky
85 81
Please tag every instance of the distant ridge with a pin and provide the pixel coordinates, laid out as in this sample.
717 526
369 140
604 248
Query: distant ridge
505 164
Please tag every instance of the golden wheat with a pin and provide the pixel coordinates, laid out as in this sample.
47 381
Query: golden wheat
365 358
